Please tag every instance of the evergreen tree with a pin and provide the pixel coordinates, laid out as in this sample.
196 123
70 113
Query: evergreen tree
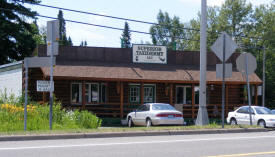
62 30
83 43
17 39
70 43
126 37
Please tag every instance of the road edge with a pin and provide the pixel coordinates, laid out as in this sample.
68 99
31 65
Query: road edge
126 134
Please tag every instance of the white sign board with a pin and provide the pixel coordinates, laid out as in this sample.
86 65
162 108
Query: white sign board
36 62
149 54
52 37
228 70
52 46
251 63
43 86
230 46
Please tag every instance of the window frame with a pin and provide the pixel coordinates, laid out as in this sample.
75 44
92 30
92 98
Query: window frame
80 92
154 92
138 93
101 95
99 91
184 93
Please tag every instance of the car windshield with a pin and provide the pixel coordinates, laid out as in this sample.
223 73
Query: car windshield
263 110
162 107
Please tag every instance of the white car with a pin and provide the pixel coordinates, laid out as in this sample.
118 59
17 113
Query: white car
261 116
155 114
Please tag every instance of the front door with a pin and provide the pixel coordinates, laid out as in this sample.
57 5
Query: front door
149 94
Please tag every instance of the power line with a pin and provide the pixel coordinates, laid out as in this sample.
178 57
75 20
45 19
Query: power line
125 19
102 26
113 17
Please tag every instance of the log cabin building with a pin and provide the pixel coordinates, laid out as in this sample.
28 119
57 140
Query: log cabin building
109 83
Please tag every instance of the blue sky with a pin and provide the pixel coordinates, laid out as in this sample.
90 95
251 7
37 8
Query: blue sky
145 10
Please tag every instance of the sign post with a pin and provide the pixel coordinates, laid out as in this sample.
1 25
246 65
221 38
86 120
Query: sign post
223 47
52 46
246 63
26 93
32 62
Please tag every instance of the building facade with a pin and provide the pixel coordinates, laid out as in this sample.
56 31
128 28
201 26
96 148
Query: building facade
11 79
110 83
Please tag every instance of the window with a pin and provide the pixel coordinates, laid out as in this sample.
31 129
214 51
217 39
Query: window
95 92
134 94
103 92
197 94
183 95
263 110
162 107
76 93
143 108
149 93
243 110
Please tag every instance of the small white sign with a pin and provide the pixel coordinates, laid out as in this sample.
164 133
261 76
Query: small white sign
228 70
149 54
43 86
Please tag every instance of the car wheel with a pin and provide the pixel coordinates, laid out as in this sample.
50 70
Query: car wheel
233 121
130 122
262 123
148 122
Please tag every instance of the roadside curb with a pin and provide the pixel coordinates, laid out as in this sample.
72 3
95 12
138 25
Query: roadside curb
127 134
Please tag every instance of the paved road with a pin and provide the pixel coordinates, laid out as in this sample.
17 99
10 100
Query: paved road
212 145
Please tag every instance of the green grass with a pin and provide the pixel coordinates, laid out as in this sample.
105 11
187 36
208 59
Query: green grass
65 122
12 117
125 129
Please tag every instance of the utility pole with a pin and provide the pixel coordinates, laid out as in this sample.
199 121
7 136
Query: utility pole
202 117
263 92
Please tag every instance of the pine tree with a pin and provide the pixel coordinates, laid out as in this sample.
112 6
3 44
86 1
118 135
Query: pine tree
83 43
70 43
62 30
16 34
126 37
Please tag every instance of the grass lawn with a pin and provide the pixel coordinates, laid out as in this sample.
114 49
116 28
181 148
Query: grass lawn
124 129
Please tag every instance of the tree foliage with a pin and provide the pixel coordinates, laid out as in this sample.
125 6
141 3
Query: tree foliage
252 29
168 32
126 37
62 30
83 43
17 36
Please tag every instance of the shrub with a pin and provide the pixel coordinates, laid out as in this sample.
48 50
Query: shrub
12 117
87 120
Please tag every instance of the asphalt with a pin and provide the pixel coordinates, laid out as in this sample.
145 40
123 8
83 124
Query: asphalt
126 134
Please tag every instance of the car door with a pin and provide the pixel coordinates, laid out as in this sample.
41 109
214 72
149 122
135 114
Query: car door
241 114
145 114
139 114
247 118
